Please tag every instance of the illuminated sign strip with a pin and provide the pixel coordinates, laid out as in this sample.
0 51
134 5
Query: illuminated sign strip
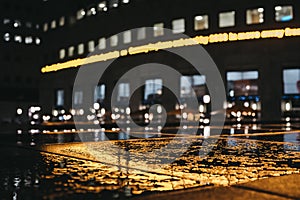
202 40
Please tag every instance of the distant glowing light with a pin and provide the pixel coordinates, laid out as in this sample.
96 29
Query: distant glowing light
206 99
278 8
6 37
19 111
260 10
102 5
288 106
96 106
199 18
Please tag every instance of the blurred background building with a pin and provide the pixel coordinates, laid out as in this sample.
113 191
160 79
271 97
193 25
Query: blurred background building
261 71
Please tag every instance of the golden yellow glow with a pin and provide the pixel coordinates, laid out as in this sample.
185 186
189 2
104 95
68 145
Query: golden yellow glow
202 40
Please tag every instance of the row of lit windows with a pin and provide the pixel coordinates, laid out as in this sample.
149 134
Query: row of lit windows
103 6
201 22
18 23
19 39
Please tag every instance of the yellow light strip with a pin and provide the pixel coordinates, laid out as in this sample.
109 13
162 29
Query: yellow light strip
202 40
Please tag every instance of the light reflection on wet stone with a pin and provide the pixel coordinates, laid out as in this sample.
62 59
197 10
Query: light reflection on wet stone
111 169
231 161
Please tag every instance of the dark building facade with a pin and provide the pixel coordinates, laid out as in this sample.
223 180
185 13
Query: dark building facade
255 45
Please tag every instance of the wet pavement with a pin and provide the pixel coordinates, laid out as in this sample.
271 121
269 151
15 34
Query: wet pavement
111 164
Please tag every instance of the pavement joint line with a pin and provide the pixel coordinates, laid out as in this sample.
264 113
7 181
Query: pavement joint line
263 191
111 164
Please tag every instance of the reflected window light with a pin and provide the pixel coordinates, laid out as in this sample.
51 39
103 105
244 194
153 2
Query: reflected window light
45 28
201 22
227 19
37 26
178 26
255 16
114 40
127 37
62 53
91 46
102 43
62 21
6 37
141 33
158 29
81 49
283 13
28 40
18 38
71 51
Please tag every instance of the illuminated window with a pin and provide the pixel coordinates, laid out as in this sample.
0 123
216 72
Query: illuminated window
291 80
45 28
255 16
53 24
227 19
113 3
99 93
125 1
178 26
71 51
80 14
62 54
243 83
158 29
91 11
78 97
141 33
201 22
102 6
6 21
123 91
62 21
28 40
6 37
114 40
283 13
91 46
190 84
28 24
102 43
37 41
153 88
60 97
127 37
81 49
17 24
18 38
